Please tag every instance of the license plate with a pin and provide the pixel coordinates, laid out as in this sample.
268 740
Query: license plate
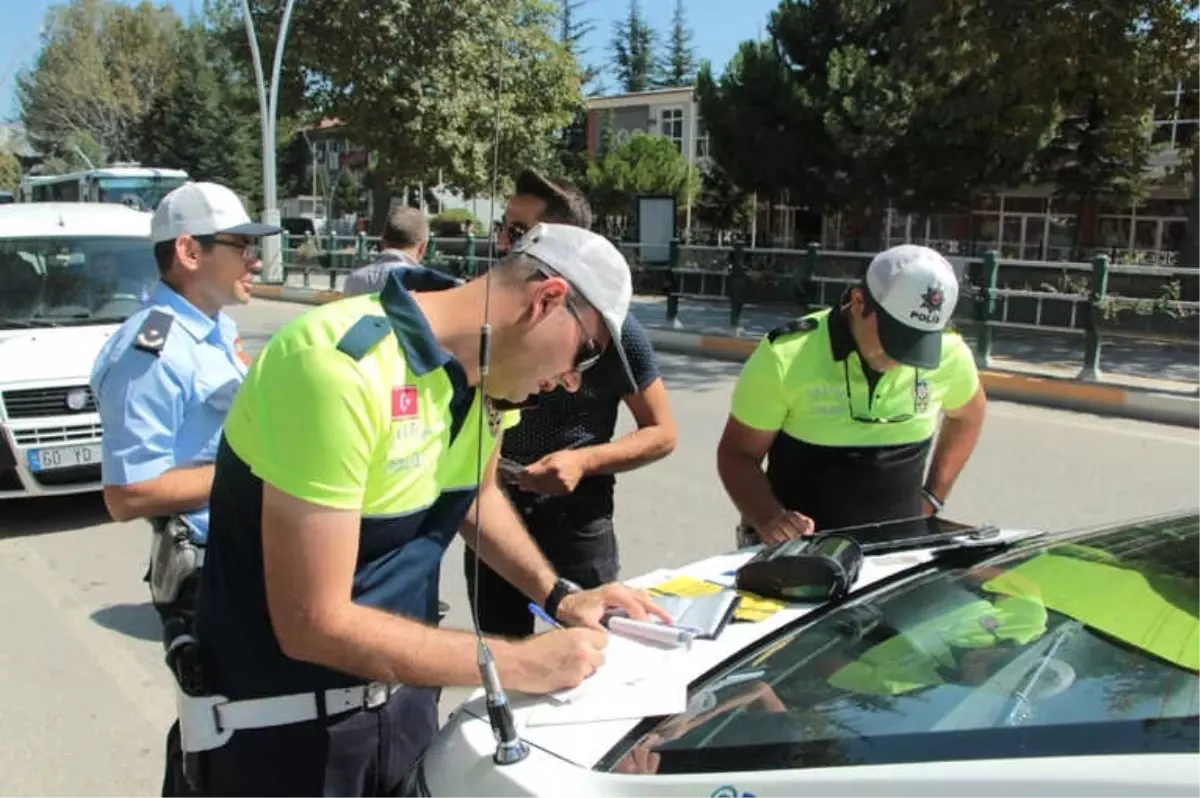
56 457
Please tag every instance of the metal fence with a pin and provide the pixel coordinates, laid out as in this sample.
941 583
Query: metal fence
1094 301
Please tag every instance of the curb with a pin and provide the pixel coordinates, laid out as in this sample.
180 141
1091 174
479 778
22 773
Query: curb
1106 400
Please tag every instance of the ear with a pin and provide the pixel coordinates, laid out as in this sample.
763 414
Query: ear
187 252
548 296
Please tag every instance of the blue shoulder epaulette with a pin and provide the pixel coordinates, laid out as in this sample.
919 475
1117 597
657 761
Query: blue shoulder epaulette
152 335
796 326
363 336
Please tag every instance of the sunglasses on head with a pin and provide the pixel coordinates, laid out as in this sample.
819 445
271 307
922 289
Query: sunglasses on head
590 350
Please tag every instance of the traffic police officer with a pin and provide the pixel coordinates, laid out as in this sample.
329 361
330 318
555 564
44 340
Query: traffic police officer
846 402
350 458
164 381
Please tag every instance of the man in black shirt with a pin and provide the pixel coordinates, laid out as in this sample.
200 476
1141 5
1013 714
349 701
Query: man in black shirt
561 457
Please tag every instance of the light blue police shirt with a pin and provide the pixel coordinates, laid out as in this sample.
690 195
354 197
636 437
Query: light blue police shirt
163 384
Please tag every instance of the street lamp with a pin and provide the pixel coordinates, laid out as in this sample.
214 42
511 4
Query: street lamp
272 245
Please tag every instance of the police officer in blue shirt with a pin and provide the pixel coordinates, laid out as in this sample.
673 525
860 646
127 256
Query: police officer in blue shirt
164 382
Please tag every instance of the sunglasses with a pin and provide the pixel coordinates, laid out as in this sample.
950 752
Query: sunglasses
590 350
515 230
872 419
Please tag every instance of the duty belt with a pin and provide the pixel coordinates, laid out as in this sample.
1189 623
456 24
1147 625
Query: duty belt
208 721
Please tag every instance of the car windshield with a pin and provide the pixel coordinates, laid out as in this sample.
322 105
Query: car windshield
140 193
1084 644
72 281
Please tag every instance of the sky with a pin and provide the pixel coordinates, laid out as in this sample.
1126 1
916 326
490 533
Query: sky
717 31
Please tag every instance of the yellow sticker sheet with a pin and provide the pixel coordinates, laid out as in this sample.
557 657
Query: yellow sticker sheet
752 607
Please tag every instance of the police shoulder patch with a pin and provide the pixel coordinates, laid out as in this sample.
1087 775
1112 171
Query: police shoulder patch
793 327
152 335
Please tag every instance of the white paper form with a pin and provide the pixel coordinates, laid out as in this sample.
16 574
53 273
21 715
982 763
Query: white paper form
636 680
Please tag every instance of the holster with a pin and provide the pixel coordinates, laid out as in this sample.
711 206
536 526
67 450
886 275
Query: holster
174 558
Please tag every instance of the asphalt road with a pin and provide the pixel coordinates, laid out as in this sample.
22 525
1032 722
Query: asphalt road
85 700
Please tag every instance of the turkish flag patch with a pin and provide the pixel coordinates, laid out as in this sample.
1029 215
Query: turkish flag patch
240 351
404 402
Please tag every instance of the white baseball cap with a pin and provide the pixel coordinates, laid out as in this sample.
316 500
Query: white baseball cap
916 290
593 267
204 209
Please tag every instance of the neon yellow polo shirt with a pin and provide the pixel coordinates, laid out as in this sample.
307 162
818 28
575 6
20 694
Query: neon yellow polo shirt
848 449
353 406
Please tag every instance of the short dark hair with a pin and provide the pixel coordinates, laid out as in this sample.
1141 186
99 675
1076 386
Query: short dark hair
406 227
164 252
565 203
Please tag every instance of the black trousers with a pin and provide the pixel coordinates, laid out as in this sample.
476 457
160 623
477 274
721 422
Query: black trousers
363 752
576 534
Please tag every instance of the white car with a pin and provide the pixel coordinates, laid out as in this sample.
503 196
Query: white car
70 273
1056 664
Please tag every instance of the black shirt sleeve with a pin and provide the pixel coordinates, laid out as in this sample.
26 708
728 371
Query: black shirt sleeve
639 352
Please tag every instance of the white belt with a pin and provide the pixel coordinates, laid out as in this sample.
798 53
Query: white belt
207 722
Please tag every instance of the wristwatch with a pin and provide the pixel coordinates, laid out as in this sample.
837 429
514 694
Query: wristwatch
934 502
562 588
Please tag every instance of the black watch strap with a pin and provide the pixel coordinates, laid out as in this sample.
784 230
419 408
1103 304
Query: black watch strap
562 588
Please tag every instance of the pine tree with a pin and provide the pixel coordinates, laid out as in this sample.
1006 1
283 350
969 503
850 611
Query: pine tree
679 66
196 125
633 47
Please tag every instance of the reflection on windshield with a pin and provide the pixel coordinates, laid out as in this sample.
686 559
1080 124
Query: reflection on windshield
1091 646
51 281
142 194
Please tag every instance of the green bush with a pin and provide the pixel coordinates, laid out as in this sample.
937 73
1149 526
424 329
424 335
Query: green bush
454 223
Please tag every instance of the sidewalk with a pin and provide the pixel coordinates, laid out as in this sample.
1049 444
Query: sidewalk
1142 380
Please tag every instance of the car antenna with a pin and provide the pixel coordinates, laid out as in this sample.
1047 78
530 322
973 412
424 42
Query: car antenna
510 748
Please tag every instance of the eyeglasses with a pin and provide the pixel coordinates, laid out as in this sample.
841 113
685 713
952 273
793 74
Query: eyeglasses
249 248
590 350
871 419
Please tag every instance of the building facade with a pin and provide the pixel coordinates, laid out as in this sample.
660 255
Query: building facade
1025 222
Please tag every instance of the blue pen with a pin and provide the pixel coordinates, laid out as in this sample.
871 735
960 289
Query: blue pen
538 612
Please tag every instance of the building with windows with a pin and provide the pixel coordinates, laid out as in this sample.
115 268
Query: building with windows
1025 222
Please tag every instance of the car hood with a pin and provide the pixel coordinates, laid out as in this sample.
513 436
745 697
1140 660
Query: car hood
586 743
53 353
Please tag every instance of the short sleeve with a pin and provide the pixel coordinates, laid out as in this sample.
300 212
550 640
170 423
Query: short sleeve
141 407
640 353
313 422
957 373
758 397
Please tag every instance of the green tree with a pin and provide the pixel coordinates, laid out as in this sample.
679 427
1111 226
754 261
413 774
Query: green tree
679 65
643 165
634 44
1095 67
192 127
428 87
723 205
572 140
10 172
102 65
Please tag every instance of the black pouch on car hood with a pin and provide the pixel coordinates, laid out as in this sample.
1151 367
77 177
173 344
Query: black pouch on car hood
818 569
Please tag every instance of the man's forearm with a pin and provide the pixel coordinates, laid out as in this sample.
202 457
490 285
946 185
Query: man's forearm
506 545
748 488
956 441
633 450
378 646
178 490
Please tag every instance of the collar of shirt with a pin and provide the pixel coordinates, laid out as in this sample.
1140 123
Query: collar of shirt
190 317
